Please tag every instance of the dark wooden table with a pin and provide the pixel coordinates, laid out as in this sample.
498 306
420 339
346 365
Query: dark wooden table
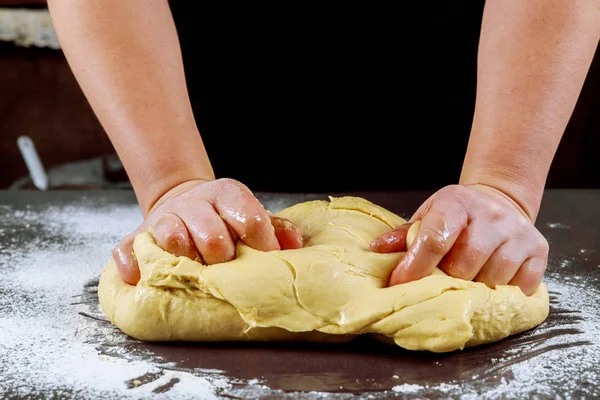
557 359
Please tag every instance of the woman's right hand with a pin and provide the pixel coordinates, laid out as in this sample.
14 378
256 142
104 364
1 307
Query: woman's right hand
202 220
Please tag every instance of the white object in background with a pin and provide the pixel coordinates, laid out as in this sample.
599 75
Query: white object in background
33 162
28 27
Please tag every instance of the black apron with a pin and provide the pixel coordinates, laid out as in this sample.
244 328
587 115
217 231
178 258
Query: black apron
305 99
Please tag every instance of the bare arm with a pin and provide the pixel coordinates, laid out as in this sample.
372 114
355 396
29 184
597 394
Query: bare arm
533 59
127 60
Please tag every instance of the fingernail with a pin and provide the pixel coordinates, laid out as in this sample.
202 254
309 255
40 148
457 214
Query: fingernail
121 257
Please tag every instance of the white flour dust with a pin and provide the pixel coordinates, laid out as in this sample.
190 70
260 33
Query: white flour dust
47 349
556 360
557 225
47 259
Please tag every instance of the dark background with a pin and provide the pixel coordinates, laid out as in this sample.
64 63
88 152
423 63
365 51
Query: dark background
303 98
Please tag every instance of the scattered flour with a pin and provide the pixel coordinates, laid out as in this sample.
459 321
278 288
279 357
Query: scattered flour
407 388
49 254
557 225
564 263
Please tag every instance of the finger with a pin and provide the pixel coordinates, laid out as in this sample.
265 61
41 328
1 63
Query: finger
392 241
209 233
247 217
503 264
438 231
530 274
172 236
288 235
125 260
472 249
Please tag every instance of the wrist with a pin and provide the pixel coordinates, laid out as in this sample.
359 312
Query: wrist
160 160
525 193
174 191
161 185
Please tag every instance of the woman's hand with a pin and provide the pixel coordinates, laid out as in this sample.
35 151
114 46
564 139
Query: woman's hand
202 220
471 232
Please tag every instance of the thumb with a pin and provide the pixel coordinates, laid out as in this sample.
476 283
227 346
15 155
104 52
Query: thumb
429 240
125 260
411 233
395 240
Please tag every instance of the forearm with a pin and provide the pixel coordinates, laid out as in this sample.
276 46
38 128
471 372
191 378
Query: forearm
127 60
533 59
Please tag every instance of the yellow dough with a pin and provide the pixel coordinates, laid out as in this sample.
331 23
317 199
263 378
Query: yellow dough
331 290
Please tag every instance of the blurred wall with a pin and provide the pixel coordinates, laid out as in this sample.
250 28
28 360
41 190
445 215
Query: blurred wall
39 96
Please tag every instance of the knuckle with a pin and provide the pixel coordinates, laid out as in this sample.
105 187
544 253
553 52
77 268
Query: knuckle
227 182
506 261
537 266
126 242
495 212
457 192
174 236
520 223
441 211
216 243
461 271
524 222
542 245
450 189
255 224
232 184
225 187
434 241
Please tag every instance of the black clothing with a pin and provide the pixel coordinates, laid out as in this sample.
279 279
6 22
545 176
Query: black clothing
310 99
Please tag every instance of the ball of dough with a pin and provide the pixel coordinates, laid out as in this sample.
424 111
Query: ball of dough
332 289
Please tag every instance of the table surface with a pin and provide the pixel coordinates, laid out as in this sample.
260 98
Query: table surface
55 341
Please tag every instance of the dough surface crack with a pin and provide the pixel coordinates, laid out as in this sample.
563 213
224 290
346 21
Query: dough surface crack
331 290
295 292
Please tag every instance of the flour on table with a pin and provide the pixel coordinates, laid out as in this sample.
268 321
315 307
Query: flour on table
48 349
